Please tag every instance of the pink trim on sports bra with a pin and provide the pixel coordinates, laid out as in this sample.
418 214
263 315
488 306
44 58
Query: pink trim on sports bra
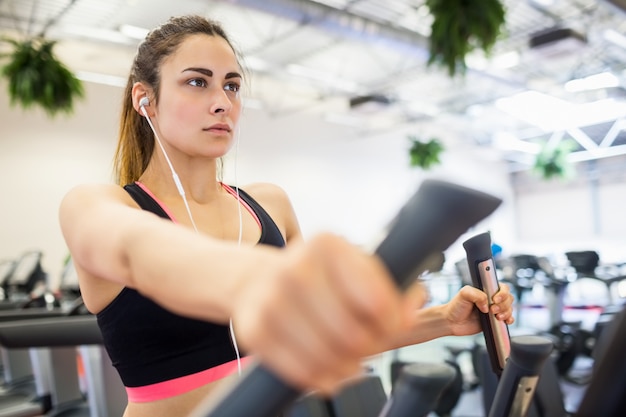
159 202
225 186
243 203
183 384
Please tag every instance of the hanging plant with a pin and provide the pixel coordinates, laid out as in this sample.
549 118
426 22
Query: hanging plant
37 77
424 155
552 161
460 26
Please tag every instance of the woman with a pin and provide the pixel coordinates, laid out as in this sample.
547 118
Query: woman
164 287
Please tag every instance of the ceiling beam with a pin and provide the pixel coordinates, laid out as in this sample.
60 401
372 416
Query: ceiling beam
343 23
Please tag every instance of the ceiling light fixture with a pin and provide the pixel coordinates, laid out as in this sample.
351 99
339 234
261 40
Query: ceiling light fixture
104 79
481 62
134 32
507 141
553 114
542 3
615 37
592 82
100 34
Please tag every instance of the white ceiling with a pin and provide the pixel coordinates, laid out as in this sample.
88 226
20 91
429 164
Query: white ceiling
313 56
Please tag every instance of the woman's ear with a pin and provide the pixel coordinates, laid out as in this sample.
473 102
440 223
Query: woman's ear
140 97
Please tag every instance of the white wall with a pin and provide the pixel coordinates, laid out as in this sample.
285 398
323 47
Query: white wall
337 180
40 159
582 213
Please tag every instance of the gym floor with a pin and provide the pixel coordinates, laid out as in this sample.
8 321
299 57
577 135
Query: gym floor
470 403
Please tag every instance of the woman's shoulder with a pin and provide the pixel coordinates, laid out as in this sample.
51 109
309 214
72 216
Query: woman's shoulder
93 192
263 191
276 202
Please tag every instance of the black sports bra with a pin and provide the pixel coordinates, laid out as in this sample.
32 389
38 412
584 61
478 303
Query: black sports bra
148 344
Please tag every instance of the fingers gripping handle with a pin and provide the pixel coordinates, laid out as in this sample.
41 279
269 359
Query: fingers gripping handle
435 216
483 272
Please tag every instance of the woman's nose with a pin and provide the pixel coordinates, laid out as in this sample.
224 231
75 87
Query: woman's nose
221 103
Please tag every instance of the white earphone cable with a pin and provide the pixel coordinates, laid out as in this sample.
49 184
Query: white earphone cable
181 191
179 185
239 238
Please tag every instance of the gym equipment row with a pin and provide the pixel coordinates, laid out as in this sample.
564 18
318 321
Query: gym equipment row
53 361
432 219
572 337
577 300
22 280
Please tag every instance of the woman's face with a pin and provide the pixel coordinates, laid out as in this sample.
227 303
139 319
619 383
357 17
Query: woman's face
199 102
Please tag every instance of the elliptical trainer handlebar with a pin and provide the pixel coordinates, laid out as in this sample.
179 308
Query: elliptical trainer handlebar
418 389
483 272
520 376
516 361
433 218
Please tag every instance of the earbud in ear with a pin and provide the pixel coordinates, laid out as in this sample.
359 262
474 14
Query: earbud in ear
142 106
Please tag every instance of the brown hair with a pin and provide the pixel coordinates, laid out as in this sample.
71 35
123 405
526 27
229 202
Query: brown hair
135 139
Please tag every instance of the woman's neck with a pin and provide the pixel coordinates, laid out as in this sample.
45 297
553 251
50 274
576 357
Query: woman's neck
199 185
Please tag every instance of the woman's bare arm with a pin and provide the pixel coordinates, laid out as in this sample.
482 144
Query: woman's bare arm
189 274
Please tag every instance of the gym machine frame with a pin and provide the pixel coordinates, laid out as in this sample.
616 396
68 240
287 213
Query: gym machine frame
435 217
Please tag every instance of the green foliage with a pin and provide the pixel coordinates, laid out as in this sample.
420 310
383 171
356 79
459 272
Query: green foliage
460 26
424 155
552 161
36 77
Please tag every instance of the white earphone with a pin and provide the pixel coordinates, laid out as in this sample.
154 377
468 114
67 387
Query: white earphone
143 103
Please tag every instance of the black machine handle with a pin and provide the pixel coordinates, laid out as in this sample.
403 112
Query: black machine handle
418 389
516 361
483 272
433 218
520 376
53 331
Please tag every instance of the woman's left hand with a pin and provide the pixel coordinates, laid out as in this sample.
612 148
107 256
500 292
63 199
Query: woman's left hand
462 316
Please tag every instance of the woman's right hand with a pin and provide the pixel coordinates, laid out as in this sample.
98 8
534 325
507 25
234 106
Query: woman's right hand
318 310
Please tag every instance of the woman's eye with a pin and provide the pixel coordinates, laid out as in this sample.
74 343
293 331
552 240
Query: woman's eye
233 87
197 82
